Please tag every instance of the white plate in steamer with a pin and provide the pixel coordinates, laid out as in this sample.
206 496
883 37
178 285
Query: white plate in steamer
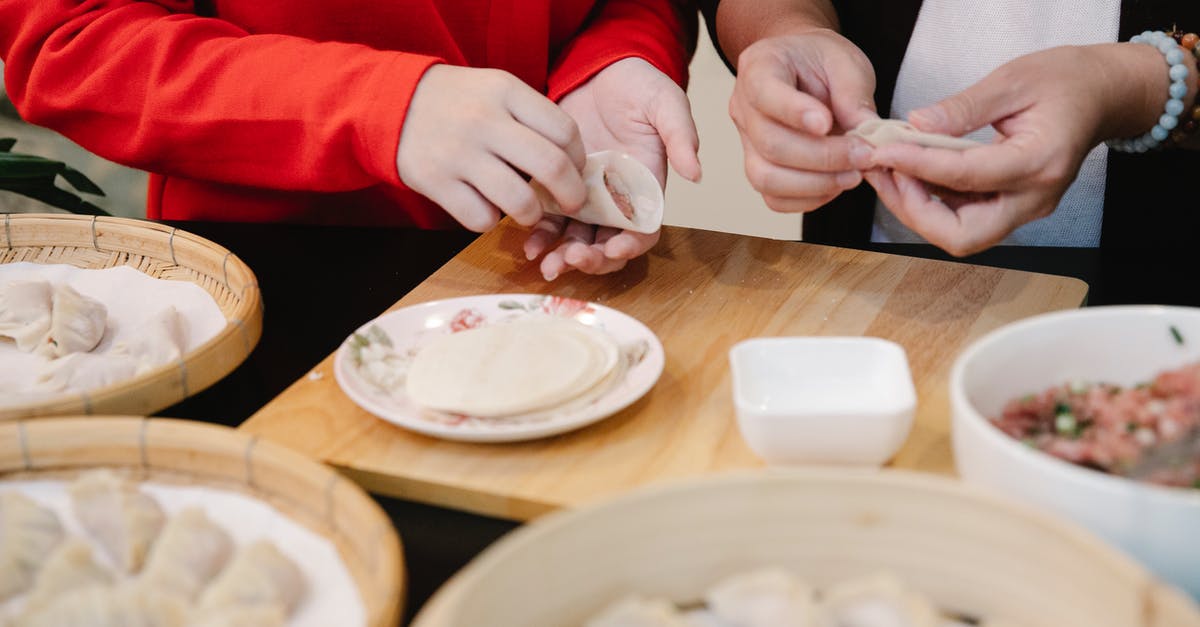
408 330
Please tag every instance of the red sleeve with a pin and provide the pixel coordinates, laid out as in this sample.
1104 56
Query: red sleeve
151 85
663 32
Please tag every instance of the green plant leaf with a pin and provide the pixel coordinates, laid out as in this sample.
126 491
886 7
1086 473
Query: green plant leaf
7 143
16 166
60 198
80 182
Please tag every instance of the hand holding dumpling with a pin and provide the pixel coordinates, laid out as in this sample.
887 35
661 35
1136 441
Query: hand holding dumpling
630 107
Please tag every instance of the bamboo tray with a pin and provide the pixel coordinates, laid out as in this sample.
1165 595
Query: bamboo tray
175 451
971 553
162 252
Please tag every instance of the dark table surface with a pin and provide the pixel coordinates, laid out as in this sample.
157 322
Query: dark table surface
319 283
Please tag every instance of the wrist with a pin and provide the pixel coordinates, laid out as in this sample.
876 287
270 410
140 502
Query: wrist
1136 87
741 24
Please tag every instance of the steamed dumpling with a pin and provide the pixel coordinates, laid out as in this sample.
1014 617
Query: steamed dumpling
124 520
189 552
876 601
639 612
28 534
25 313
259 574
104 606
77 323
70 567
763 598
85 371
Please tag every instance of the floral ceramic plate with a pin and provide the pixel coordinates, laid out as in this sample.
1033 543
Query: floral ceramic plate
371 364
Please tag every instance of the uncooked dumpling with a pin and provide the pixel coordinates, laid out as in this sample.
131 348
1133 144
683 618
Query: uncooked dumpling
70 567
104 606
124 520
189 552
25 313
876 601
242 616
622 193
28 535
764 598
639 612
77 323
161 339
85 371
258 574
512 368
880 132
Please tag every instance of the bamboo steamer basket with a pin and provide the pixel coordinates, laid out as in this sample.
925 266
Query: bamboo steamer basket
193 453
972 553
159 251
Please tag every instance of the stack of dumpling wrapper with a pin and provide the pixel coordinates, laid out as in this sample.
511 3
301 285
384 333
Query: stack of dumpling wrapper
525 369
181 571
66 327
776 598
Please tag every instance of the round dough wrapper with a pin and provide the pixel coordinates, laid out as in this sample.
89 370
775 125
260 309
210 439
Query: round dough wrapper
510 368
622 193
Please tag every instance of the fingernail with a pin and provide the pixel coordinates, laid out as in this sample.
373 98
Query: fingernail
529 256
814 122
861 155
549 276
933 117
848 180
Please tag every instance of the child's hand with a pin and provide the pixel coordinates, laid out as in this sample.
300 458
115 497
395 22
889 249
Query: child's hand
469 136
633 107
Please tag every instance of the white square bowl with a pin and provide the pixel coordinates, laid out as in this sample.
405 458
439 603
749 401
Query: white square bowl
822 400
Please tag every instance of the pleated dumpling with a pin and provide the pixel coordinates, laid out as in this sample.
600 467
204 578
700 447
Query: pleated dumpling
25 308
124 520
85 371
77 323
28 535
106 606
189 552
763 598
636 611
242 616
161 339
877 600
258 574
70 567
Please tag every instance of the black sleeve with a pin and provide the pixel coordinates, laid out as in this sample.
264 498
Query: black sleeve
709 9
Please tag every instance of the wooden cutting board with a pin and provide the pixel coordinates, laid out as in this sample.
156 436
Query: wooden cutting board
701 292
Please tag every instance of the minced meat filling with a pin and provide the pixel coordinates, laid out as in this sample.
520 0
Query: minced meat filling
1111 428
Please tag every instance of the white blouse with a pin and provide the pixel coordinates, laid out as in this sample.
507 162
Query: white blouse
956 43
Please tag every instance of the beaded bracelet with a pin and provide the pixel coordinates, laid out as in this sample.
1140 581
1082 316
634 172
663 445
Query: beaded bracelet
1178 72
1189 122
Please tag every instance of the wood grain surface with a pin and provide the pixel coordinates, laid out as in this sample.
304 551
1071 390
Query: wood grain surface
701 292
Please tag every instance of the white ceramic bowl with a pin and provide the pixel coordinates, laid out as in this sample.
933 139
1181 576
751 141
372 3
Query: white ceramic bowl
1123 345
822 400
969 551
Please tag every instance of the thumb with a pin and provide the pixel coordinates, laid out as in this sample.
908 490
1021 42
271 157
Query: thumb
672 118
979 105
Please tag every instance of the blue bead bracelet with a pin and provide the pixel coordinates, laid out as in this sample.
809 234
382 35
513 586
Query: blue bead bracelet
1173 54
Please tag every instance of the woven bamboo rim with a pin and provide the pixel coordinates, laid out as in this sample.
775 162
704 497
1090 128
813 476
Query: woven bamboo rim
182 451
159 251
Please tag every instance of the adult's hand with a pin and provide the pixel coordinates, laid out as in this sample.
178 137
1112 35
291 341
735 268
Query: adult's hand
472 135
1049 109
794 96
632 107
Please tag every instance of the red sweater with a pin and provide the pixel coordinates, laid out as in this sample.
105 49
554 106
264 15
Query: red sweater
292 111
